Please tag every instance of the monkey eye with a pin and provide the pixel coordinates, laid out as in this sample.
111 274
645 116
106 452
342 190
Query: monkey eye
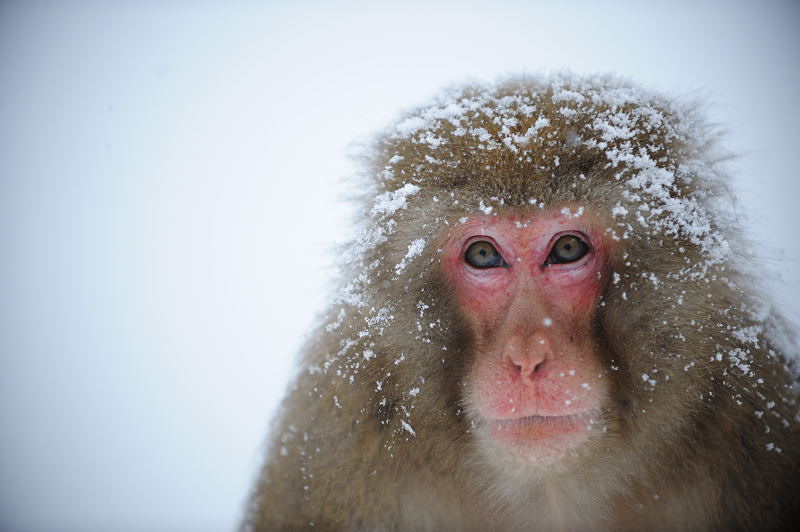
568 248
484 255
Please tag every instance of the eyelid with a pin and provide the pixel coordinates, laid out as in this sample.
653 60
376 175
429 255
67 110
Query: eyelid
481 238
570 232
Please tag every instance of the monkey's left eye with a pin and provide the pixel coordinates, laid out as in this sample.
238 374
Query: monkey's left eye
484 255
568 248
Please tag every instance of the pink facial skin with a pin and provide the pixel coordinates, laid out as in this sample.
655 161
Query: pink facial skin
537 384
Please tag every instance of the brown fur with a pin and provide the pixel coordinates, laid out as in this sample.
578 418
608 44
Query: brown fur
695 449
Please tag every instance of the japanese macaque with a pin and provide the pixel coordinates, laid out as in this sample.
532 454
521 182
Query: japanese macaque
547 324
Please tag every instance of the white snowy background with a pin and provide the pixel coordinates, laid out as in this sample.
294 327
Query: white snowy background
171 187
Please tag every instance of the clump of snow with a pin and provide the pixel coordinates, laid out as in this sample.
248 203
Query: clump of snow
389 202
619 210
336 324
407 427
485 208
748 334
383 208
740 359
414 248
566 211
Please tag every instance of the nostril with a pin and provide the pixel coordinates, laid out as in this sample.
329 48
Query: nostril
528 370
536 367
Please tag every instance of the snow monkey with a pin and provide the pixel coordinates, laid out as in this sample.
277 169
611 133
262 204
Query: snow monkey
547 324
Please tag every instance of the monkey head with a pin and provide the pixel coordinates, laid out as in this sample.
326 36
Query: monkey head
543 308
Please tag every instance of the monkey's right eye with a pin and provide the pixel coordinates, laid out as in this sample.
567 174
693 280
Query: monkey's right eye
484 255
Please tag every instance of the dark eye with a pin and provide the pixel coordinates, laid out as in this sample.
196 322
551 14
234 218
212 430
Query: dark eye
568 248
483 255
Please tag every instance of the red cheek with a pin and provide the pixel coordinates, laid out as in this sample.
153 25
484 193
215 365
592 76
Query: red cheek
480 293
576 297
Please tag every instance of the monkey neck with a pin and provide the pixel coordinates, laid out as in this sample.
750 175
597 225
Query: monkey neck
594 500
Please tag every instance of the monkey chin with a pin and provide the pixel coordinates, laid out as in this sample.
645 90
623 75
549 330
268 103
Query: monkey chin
541 440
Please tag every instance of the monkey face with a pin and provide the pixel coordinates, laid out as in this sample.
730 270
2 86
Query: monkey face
528 285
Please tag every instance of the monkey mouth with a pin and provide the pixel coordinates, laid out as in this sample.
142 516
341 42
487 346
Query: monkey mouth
553 419
541 438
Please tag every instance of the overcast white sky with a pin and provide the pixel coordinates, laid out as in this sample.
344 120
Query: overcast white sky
171 182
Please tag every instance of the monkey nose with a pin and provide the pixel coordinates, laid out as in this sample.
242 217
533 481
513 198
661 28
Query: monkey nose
526 355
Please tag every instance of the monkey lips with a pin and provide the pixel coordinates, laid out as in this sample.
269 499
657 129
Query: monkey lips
541 438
